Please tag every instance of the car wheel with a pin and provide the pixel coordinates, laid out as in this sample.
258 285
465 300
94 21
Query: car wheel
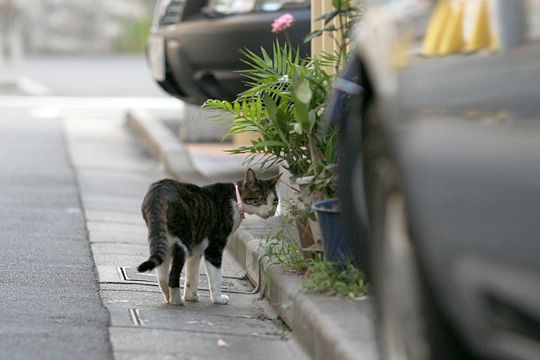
410 325
401 330
170 87
350 185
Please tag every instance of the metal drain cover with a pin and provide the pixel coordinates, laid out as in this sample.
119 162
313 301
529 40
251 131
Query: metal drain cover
131 274
172 319
228 284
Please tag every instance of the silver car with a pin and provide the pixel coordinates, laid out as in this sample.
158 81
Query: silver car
445 146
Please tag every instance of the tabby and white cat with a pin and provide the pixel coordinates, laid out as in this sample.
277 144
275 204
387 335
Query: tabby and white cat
186 221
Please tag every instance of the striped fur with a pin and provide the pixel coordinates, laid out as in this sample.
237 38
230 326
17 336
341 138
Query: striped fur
186 221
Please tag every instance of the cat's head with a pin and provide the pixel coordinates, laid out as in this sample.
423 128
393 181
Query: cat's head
259 195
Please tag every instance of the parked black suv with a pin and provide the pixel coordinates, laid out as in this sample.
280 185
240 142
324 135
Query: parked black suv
194 45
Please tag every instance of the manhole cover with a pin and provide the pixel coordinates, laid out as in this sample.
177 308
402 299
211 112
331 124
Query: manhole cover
169 319
131 274
228 284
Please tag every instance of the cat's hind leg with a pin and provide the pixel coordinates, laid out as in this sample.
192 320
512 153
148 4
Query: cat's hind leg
212 256
162 272
192 278
193 264
179 252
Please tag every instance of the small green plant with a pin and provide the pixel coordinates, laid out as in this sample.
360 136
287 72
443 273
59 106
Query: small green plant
281 250
330 278
284 105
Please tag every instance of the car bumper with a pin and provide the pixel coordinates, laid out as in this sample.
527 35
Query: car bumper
203 56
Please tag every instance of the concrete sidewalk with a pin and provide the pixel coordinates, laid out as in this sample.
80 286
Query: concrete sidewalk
113 171
327 327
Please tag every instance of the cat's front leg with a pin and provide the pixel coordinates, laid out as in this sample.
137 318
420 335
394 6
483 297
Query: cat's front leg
214 282
212 258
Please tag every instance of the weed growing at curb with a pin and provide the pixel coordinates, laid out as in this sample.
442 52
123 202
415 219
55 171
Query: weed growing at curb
340 279
285 252
333 279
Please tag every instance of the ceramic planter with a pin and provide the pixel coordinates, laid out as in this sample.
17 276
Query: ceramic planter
293 193
306 202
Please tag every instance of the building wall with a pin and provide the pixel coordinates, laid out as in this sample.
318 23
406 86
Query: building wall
323 43
77 25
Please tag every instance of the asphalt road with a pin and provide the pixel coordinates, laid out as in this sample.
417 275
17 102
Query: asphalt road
50 304
92 75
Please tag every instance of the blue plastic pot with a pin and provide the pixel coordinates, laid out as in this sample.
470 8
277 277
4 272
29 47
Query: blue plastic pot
336 247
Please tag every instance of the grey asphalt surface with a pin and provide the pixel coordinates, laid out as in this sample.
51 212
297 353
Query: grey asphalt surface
51 307
92 75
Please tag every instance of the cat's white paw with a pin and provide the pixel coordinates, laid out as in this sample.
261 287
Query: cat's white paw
175 298
177 302
194 296
164 290
222 300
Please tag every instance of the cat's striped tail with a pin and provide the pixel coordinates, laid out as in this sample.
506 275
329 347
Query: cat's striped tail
157 237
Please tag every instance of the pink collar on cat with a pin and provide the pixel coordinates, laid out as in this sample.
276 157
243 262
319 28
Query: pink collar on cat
239 203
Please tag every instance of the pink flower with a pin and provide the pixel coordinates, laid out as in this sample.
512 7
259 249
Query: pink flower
283 22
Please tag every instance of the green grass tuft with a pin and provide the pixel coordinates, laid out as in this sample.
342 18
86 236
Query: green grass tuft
285 252
335 279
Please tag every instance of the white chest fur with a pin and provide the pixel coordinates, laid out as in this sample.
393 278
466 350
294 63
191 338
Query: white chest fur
236 216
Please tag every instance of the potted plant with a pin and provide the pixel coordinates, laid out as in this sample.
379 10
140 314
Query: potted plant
285 105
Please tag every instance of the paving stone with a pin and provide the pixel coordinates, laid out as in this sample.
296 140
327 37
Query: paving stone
240 306
177 318
114 173
116 183
119 260
99 248
131 355
139 230
106 236
114 217
108 274
120 286
203 346
108 145
112 203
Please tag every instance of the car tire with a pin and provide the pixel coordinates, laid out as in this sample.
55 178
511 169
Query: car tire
400 325
410 325
170 86
350 185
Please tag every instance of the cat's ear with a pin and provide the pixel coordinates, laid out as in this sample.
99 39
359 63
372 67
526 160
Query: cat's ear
250 179
274 180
